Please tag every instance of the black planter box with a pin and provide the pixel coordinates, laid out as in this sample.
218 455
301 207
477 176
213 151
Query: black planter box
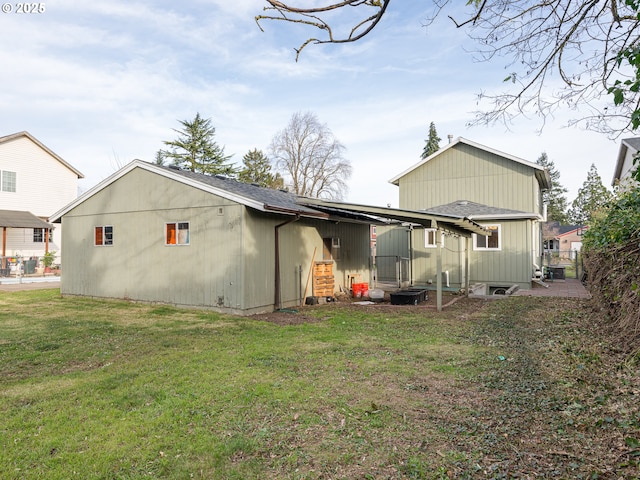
408 297
557 272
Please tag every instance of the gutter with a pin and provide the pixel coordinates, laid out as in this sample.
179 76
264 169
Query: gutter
297 213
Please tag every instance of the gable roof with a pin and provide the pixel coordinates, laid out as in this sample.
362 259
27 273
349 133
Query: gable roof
542 175
278 201
13 136
572 230
626 144
259 198
478 211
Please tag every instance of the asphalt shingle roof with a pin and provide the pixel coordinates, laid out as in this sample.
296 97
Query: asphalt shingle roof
269 197
465 208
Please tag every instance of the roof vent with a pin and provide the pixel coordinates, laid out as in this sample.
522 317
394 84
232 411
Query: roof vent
462 203
221 177
175 167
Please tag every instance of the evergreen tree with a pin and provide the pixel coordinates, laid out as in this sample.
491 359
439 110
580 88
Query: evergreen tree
432 145
159 158
555 199
196 150
592 197
257 169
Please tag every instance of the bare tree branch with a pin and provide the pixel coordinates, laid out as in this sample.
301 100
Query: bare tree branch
311 157
562 54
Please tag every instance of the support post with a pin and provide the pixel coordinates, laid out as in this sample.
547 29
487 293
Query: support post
439 271
467 282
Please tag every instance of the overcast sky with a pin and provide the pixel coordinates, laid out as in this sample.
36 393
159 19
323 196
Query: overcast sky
104 82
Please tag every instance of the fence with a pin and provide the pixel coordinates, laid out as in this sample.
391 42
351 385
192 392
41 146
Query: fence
18 266
570 261
391 270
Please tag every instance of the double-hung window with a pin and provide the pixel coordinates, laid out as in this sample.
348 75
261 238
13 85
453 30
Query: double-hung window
8 181
489 242
103 235
177 233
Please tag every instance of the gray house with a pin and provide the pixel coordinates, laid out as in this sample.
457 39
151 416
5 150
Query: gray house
501 192
160 234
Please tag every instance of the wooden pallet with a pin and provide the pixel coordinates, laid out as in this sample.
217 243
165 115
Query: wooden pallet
323 281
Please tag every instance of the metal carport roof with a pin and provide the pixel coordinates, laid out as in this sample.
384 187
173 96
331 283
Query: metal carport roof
458 225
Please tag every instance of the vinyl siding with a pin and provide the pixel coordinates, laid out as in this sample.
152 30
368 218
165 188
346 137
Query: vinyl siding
43 184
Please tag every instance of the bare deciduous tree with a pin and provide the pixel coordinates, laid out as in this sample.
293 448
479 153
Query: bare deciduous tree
560 54
310 157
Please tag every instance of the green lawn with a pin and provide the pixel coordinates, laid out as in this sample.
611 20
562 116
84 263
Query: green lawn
517 388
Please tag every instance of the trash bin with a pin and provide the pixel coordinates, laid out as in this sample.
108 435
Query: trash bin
29 267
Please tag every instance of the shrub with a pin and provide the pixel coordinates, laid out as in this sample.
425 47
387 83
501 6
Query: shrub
611 250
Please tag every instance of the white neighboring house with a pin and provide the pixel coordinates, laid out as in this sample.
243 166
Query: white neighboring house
34 182
629 147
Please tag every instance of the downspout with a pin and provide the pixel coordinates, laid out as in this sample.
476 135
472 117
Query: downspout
276 301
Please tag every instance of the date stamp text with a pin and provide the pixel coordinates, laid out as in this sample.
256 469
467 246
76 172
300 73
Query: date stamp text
25 8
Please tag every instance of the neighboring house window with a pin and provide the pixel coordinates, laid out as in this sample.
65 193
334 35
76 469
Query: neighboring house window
430 238
104 235
39 235
8 181
491 242
177 233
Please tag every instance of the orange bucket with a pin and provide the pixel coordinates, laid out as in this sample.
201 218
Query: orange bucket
360 289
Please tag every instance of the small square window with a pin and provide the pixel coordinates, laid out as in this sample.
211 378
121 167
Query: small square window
177 233
103 235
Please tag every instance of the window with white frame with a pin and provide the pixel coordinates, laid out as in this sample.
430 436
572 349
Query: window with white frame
177 233
489 242
103 236
430 237
8 181
39 235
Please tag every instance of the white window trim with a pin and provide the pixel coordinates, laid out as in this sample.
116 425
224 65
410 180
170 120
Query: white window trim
104 236
487 249
14 183
435 237
177 244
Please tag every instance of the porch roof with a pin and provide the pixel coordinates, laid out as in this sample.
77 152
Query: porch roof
21 219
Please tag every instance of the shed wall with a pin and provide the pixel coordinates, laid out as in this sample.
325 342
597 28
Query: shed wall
139 265
229 263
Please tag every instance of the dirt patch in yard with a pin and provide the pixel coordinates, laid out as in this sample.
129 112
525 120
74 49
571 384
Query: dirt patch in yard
306 313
